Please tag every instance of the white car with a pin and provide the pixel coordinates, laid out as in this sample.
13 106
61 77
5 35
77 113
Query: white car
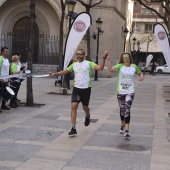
162 69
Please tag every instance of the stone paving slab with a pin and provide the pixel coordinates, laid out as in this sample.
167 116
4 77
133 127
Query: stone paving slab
29 134
9 165
46 123
135 143
110 160
42 164
133 129
17 152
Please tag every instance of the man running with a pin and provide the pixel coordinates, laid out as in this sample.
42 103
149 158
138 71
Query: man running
82 85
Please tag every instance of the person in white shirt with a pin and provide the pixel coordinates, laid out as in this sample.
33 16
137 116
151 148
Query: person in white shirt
125 88
82 85
4 71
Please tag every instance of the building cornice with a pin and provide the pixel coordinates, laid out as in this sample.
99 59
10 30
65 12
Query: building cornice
147 20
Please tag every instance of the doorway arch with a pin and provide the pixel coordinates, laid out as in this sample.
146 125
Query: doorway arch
20 39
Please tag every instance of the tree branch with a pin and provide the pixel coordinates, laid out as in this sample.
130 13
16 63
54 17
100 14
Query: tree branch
146 6
88 5
96 4
83 3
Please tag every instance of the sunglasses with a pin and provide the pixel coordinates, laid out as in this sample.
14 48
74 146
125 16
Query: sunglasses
125 58
78 54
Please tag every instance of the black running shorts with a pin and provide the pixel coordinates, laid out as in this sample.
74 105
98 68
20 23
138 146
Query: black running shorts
81 95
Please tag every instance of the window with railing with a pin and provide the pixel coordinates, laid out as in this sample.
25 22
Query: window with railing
146 11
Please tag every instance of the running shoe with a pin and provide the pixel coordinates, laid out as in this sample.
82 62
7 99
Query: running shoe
87 121
126 135
72 132
121 131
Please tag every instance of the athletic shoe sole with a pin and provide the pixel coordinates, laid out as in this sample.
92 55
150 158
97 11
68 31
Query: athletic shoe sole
126 135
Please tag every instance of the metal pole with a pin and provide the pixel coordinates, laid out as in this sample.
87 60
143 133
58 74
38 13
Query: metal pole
137 56
65 78
134 52
96 72
124 43
146 55
69 22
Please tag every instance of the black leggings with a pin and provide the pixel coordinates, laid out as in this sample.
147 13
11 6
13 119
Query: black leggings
125 102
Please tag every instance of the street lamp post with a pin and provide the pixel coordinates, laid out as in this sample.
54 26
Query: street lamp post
98 26
70 6
134 43
125 35
149 39
66 80
134 52
138 45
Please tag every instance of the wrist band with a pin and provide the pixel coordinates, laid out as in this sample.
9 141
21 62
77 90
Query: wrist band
104 57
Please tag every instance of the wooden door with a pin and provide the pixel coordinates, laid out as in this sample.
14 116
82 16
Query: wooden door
20 39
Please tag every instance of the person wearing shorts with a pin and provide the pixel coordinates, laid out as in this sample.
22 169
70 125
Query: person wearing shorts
125 88
82 85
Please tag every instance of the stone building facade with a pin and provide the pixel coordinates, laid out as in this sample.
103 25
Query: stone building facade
14 19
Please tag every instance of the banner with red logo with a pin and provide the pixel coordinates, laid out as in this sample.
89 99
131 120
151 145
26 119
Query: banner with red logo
75 35
161 35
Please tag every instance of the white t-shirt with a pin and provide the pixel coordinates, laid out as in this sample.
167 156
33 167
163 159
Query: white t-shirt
125 78
5 68
82 73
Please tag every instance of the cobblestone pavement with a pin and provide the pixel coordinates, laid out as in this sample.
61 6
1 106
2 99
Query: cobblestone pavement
36 138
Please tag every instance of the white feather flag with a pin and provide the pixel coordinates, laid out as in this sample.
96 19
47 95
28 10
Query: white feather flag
161 35
77 31
148 59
